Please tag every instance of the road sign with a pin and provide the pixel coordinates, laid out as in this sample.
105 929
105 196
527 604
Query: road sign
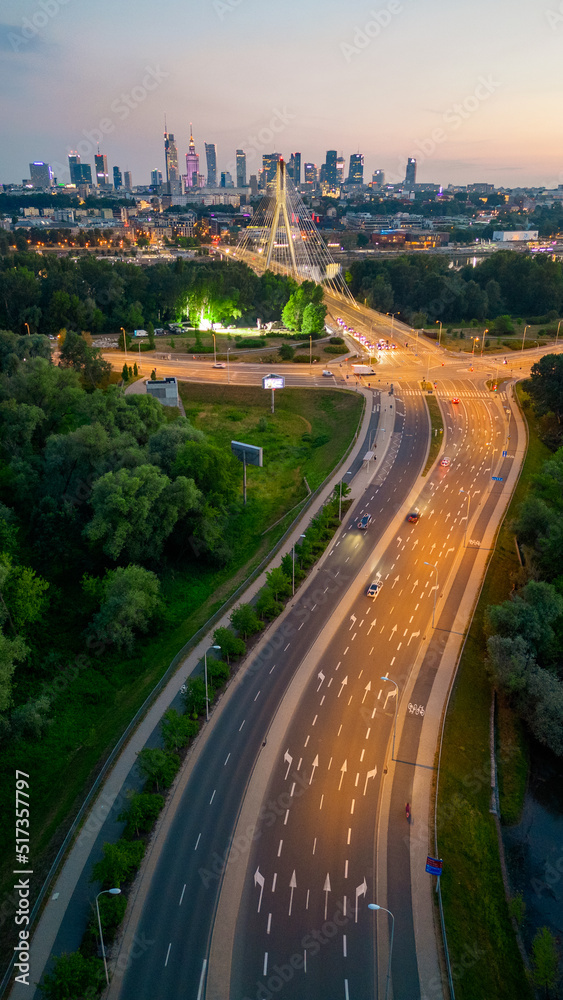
250 454
273 381
497 479
504 454
434 865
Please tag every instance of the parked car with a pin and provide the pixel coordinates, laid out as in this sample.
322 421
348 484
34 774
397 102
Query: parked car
159 332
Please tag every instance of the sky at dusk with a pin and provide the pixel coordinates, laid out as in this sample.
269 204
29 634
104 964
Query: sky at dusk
472 90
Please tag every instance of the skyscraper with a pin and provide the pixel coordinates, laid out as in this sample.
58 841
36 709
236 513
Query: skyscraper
340 168
128 180
269 167
192 163
311 176
171 162
226 179
378 179
117 178
211 157
241 168
80 173
156 178
356 174
41 174
330 175
294 168
101 165
410 177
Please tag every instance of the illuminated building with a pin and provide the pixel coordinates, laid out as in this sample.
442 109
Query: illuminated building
294 168
378 179
156 178
41 174
311 176
340 168
241 168
269 167
192 163
117 178
330 172
128 180
211 156
171 162
101 165
356 173
80 173
410 177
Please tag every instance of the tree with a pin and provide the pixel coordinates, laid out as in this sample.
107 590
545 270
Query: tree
158 767
545 960
130 598
287 352
119 863
12 651
177 730
75 353
141 813
125 373
24 595
545 385
74 977
313 320
194 697
278 582
245 620
231 644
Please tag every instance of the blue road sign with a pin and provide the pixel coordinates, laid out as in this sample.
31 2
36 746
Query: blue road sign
504 454
498 479
434 865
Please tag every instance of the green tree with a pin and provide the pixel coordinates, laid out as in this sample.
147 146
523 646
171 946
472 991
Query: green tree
194 697
545 385
73 977
177 730
141 812
245 620
231 644
278 582
313 320
88 361
12 651
158 767
119 863
287 352
545 960
125 373
24 594
150 331
130 598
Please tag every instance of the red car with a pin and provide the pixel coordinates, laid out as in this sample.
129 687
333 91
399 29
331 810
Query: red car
455 400
414 516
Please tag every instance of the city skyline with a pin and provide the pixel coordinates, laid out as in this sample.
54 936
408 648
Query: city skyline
459 94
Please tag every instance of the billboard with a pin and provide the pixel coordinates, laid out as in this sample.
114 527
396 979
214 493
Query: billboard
273 382
516 236
250 454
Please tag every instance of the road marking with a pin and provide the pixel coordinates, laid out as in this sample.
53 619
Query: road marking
349 834
330 682
353 637
201 979
307 900
350 698
329 763
307 740
346 869
167 954
286 817
368 732
299 764
182 896
197 842
241 725
322 699
256 696
344 653
287 647
314 845
274 880
321 805
315 719
392 661
269 923
213 796
272 669
352 807
292 789
280 847
338 664
344 946
362 755
265 970
346 993
301 626
357 779
226 759
340 730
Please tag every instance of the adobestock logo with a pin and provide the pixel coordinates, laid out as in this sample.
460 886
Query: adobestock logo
363 36
31 26
555 17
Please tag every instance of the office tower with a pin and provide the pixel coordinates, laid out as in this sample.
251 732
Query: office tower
253 186
310 173
171 162
356 174
156 178
241 168
330 175
378 178
340 168
117 178
269 167
101 165
80 173
211 157
410 177
226 179
128 180
41 174
294 168
192 163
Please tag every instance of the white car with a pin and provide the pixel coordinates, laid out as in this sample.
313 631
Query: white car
445 461
374 589
327 374
220 364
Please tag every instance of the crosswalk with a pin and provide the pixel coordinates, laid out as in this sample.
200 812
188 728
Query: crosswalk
447 397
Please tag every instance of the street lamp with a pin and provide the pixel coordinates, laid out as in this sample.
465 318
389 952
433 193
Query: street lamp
293 568
557 334
435 568
310 355
214 348
440 334
124 341
468 495
396 707
228 368
28 330
206 688
110 892
483 341
524 337
374 906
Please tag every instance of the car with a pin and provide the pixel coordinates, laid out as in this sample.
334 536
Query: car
220 364
374 589
414 516
455 400
327 374
445 461
364 522
160 332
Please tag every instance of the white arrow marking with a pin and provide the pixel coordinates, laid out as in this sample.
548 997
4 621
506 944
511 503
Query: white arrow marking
360 891
372 625
415 543
259 880
326 891
414 635
343 770
288 760
433 547
394 629
321 677
353 620
368 688
396 580
292 886
345 681
315 764
451 549
370 774
399 539
415 585
390 694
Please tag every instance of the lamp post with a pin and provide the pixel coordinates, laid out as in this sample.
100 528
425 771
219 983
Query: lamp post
374 906
310 355
440 334
110 892
524 337
228 368
206 688
483 341
468 495
124 341
435 568
293 568
396 707
214 348
28 330
557 334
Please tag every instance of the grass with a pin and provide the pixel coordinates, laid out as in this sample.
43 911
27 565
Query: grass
307 436
437 431
475 906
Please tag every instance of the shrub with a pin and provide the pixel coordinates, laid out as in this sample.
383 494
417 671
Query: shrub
73 976
245 620
194 696
158 767
177 730
141 813
119 863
